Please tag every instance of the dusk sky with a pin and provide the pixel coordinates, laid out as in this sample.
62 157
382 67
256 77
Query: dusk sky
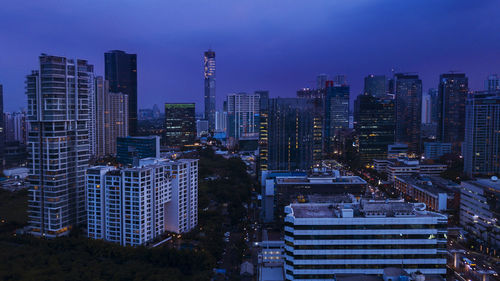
276 45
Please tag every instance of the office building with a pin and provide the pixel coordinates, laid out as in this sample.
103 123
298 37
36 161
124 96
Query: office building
492 84
434 150
432 93
408 110
58 141
131 149
263 158
375 85
280 188
479 211
336 112
407 167
426 109
180 124
290 127
452 94
481 148
111 117
243 115
329 239
374 126
121 71
209 74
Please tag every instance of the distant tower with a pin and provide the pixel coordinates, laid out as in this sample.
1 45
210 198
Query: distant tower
452 94
375 85
321 81
120 70
209 74
408 88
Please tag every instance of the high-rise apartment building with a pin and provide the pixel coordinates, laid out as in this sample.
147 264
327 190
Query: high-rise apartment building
243 115
220 121
180 124
111 117
375 85
181 213
408 110
321 81
131 149
58 143
452 94
374 126
323 240
492 84
15 127
481 148
132 206
209 74
336 111
121 71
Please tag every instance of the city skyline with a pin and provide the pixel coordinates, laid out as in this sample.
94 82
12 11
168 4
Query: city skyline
288 56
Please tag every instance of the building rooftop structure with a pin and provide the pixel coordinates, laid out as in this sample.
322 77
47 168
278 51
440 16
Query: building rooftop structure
363 209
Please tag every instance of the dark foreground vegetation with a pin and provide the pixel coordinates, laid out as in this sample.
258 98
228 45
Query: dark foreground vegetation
221 202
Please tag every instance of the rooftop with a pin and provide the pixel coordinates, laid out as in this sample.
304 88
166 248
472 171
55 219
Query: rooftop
365 208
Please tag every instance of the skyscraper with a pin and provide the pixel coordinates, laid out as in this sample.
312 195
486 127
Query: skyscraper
121 71
375 85
374 126
58 139
336 112
180 124
263 131
111 117
243 115
290 143
452 94
481 147
408 110
209 74
433 95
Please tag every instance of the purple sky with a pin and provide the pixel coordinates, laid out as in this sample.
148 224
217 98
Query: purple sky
276 45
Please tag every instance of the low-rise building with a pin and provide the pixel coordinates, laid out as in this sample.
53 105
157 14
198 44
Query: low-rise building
323 241
282 188
438 194
406 167
434 150
480 210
